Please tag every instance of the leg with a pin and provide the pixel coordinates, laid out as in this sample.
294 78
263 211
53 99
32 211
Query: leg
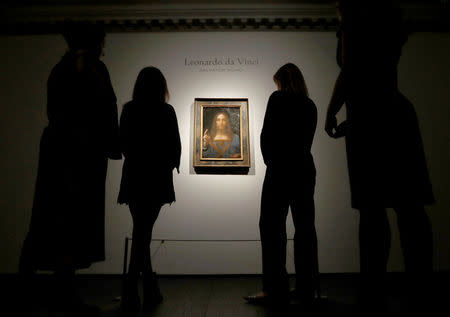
137 246
27 274
417 246
374 242
66 297
152 294
150 220
130 298
144 218
416 239
65 293
272 226
305 244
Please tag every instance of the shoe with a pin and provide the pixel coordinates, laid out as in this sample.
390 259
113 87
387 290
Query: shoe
81 309
152 294
374 303
131 302
292 293
130 305
260 299
87 310
73 305
257 299
150 304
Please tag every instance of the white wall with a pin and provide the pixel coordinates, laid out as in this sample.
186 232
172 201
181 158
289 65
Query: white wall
213 207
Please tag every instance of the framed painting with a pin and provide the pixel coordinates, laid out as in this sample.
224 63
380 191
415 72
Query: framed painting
221 135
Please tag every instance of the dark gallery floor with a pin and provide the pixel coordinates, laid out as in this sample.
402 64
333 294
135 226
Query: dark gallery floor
215 296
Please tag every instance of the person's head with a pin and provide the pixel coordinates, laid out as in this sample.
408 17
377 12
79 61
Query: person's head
342 5
221 123
150 86
87 37
348 8
290 78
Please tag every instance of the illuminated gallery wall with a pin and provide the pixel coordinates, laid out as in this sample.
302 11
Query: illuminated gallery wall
218 207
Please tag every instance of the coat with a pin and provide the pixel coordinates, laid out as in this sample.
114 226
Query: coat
68 214
386 160
150 143
286 139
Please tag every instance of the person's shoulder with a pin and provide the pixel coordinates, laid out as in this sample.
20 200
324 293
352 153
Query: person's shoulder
128 105
310 104
62 68
66 61
56 71
309 101
60 64
101 65
276 96
339 31
170 109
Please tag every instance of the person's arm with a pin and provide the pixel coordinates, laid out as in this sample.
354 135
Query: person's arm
53 114
62 106
309 127
124 131
112 143
338 96
175 141
336 103
60 91
267 132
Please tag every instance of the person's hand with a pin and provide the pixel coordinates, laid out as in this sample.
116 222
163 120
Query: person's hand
206 138
330 125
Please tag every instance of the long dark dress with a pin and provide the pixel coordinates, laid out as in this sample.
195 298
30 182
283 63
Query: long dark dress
151 146
286 138
68 212
385 155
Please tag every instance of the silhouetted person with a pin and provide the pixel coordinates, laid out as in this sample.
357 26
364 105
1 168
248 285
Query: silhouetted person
286 138
151 146
67 229
386 161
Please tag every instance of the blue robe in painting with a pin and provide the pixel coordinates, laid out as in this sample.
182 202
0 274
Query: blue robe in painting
228 148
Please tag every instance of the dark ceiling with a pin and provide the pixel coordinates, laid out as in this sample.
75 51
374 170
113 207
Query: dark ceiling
187 2
44 16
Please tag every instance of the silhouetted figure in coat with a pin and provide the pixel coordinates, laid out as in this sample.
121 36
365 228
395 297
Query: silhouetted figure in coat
385 156
151 146
67 229
286 138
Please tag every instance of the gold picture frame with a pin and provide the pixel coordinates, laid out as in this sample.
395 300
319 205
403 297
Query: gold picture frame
221 135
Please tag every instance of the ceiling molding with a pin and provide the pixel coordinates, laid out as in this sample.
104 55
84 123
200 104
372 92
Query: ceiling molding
201 17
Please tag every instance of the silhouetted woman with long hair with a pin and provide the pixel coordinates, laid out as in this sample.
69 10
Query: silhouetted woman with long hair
67 230
286 138
385 156
151 146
